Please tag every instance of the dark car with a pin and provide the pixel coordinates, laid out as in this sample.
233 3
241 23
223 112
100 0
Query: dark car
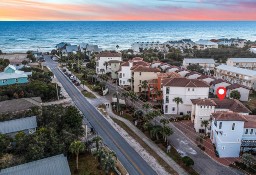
77 83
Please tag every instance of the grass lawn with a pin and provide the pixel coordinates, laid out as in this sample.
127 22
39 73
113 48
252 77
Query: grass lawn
145 146
87 165
88 94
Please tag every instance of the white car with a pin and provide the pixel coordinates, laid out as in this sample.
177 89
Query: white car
72 77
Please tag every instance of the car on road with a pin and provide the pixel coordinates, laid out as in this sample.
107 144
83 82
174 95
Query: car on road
181 153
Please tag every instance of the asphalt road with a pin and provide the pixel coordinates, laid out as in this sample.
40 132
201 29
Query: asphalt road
132 161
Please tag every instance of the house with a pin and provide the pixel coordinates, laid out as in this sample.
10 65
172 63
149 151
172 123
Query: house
232 133
185 89
206 63
26 125
206 78
11 75
137 46
62 45
114 66
155 64
155 85
215 84
183 72
206 44
243 90
19 105
102 60
55 165
253 50
246 63
240 43
142 73
203 108
164 66
172 69
233 75
125 71
193 75
180 44
89 48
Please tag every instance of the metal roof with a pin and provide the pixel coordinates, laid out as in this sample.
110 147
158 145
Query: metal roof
237 70
18 125
242 60
56 165
199 60
4 75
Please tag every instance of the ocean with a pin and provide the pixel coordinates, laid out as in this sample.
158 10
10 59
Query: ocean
43 36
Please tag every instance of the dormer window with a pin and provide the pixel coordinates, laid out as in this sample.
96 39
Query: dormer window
233 126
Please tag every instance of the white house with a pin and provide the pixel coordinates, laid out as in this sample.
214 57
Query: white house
186 90
155 64
206 63
125 71
203 108
180 44
240 43
206 78
147 45
102 60
246 63
172 69
214 85
238 75
183 72
243 90
253 50
232 133
193 75
206 44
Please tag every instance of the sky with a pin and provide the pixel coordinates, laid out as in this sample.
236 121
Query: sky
130 10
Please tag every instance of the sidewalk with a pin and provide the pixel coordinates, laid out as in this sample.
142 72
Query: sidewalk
152 145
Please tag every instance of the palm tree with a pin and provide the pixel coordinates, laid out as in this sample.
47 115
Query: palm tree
75 148
205 123
97 140
116 94
109 161
83 82
166 131
156 130
146 106
178 101
144 85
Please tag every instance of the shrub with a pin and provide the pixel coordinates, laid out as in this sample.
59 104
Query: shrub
187 161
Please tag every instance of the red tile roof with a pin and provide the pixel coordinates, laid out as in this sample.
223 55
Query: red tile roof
109 54
203 102
228 116
217 81
184 82
251 121
231 104
235 86
137 59
141 68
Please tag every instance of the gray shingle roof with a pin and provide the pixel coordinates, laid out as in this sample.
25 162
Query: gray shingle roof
56 165
199 60
243 60
17 125
72 48
21 104
237 70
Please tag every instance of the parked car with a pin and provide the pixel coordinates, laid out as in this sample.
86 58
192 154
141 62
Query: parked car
72 77
77 83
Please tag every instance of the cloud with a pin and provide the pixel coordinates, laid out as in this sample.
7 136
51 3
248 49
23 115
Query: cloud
132 10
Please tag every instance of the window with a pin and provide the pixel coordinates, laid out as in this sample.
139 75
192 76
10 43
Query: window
246 131
167 99
193 89
215 123
223 147
16 80
167 90
188 89
140 81
173 108
123 82
123 74
201 106
166 109
140 73
251 131
220 126
233 126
